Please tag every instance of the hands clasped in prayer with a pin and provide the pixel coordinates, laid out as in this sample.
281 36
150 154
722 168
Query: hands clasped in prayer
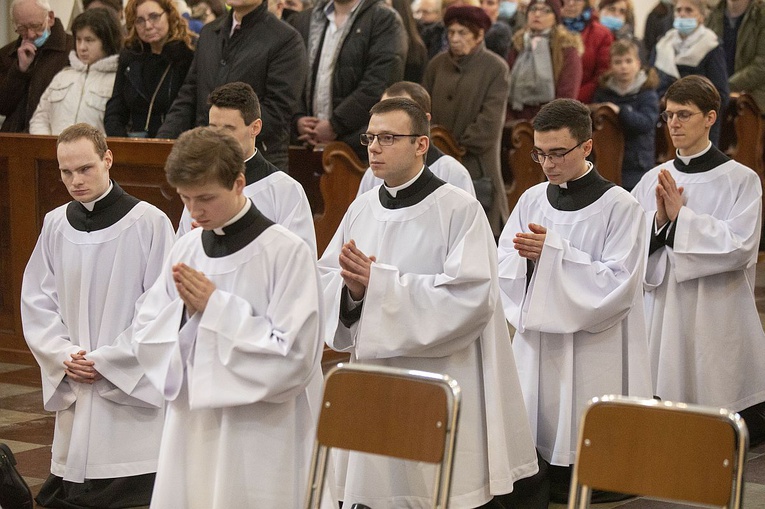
529 245
669 199
193 287
315 131
355 269
81 370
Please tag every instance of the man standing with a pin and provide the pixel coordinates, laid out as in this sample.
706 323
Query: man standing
740 24
251 45
234 108
356 48
703 215
571 264
410 281
95 258
230 335
28 64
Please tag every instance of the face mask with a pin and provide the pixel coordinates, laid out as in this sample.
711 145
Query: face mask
507 9
612 22
685 25
41 40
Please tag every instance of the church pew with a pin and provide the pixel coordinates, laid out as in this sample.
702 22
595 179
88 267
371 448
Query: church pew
305 166
339 184
749 128
445 141
608 143
525 172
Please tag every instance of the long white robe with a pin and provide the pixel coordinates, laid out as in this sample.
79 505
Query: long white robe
432 304
580 329
79 293
282 200
242 379
705 335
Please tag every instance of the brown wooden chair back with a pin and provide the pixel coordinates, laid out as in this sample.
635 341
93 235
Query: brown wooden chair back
445 141
608 143
673 451
749 127
526 173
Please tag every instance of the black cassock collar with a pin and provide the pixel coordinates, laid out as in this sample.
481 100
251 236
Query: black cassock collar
236 235
106 211
578 193
709 160
257 168
425 184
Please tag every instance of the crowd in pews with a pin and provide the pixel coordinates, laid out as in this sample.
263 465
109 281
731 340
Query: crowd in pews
185 367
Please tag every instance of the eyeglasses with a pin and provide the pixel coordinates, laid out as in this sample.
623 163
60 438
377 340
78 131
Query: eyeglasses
541 9
682 115
385 140
541 157
151 18
34 27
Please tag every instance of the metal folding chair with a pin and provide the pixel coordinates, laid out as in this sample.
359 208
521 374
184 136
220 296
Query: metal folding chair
404 414
660 449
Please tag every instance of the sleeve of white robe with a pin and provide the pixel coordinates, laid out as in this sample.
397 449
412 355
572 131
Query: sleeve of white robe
295 213
570 291
706 245
427 315
117 363
46 334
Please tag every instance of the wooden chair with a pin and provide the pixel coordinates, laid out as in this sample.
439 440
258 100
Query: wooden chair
526 173
673 451
749 128
404 414
608 143
339 184
445 141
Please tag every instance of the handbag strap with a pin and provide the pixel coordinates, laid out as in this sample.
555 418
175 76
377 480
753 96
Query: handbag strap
154 96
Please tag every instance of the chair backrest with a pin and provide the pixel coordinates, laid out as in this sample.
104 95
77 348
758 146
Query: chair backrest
400 413
660 449
526 173
442 138
608 143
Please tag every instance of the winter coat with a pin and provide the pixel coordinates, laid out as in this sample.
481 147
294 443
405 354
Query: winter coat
596 59
77 94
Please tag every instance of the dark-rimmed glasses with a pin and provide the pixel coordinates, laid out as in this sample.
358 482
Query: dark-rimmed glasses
385 139
151 18
541 157
682 115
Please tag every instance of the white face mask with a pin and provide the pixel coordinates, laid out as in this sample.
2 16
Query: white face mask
685 25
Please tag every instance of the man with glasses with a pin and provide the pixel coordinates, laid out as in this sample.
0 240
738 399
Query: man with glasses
571 264
410 281
703 213
28 64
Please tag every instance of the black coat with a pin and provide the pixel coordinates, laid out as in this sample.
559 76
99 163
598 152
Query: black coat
128 107
265 53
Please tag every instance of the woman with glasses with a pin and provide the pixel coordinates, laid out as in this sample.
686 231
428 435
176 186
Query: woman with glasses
539 54
152 68
692 48
79 92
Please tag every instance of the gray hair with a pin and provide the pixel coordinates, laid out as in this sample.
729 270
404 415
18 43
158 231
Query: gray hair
42 4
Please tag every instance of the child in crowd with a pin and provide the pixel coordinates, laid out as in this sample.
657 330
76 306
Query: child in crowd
630 90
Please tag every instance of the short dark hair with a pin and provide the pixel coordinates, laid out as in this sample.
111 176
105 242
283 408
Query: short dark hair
565 113
87 131
104 25
112 4
417 116
695 89
237 96
202 155
413 90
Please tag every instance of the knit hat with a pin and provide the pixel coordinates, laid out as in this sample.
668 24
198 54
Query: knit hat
555 5
467 15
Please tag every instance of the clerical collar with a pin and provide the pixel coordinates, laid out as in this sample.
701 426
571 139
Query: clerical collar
89 205
706 160
433 155
579 193
107 210
238 234
393 191
237 217
590 166
257 168
411 193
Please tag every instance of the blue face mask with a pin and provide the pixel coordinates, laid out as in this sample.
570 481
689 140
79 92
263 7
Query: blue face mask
685 25
507 9
41 40
612 22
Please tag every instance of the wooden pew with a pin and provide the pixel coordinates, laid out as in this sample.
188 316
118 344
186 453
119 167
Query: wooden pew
306 167
525 172
608 143
445 141
339 184
749 128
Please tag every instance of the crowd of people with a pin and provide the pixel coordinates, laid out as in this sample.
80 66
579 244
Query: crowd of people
184 366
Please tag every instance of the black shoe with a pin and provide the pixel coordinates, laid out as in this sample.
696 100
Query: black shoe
14 491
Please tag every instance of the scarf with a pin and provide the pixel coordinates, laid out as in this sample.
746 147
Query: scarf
631 89
531 81
672 50
580 22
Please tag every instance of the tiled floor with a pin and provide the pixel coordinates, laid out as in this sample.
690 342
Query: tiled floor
28 430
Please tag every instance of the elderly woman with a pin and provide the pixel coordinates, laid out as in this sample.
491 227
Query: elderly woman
580 18
692 48
469 86
540 53
152 67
